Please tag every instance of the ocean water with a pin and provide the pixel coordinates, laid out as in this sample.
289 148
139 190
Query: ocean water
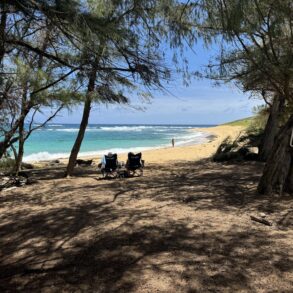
56 140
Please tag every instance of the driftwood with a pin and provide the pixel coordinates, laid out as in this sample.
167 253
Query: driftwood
260 220
80 162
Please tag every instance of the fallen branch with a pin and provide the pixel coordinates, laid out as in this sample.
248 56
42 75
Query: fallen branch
12 181
262 221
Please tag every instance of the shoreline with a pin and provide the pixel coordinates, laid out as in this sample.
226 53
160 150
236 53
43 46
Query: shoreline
190 151
194 152
47 157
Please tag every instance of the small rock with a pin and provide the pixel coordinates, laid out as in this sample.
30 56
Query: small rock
262 215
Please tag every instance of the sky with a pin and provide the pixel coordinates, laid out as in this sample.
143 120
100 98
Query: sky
199 103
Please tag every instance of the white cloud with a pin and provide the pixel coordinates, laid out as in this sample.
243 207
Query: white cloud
198 104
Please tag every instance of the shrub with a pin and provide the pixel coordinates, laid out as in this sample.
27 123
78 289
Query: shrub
239 149
6 164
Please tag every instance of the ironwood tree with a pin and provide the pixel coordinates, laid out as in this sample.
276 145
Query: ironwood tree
126 52
256 51
129 32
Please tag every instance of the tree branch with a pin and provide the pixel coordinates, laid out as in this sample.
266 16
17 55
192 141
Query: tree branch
44 123
54 82
38 51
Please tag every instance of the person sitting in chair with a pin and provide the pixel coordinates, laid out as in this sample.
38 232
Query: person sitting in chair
103 161
109 164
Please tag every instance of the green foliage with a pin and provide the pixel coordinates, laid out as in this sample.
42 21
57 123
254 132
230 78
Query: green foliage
6 164
252 137
246 122
52 57
260 117
240 148
256 45
237 150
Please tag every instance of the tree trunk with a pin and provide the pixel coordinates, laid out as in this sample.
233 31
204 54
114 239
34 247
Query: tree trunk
9 137
2 33
83 124
278 172
271 130
2 149
4 145
14 152
21 139
19 157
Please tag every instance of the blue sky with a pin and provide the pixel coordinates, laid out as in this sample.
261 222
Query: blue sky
200 103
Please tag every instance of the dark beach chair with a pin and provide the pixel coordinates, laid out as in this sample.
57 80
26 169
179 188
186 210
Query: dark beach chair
135 164
111 166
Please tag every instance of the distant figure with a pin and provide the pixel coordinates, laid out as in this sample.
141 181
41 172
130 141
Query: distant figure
173 142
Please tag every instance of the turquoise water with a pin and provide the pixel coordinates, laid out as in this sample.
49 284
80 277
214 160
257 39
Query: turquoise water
56 140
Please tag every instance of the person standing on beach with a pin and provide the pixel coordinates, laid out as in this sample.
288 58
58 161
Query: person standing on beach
173 142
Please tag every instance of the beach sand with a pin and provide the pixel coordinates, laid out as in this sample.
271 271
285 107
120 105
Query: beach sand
193 152
183 153
182 227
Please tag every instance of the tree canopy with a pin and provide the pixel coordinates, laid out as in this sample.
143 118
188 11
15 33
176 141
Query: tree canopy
83 51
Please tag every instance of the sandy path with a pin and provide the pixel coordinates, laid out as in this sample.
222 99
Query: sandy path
183 227
180 228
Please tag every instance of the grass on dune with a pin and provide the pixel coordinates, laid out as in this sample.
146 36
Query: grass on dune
246 122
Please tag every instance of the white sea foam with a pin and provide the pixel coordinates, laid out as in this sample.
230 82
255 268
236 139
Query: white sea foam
115 128
46 156
72 129
185 138
125 128
159 128
190 138
66 129
43 156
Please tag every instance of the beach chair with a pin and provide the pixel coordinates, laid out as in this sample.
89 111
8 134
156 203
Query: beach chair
111 166
134 165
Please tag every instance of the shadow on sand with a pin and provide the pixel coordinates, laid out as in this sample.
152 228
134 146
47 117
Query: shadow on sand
179 229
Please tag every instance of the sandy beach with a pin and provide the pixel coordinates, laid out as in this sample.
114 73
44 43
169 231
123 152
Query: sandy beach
193 152
146 146
184 226
183 153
